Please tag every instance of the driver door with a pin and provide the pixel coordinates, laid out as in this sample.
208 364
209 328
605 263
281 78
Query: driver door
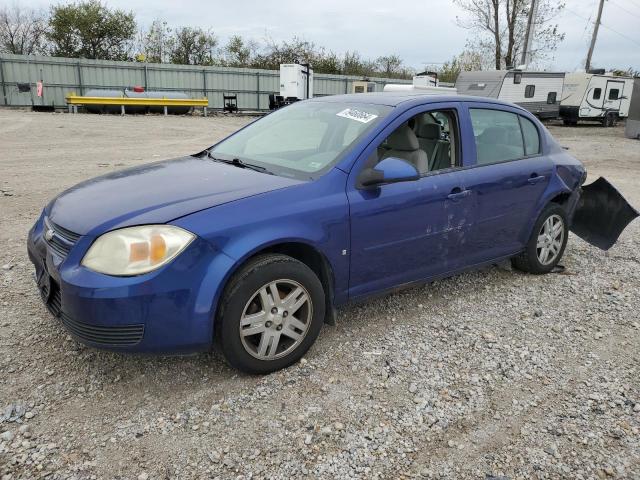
408 231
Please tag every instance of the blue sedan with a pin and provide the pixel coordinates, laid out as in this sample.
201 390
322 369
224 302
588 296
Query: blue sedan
253 243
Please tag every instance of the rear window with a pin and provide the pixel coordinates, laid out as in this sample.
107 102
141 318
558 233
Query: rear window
498 136
531 136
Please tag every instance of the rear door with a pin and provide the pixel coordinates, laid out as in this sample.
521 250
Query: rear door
508 177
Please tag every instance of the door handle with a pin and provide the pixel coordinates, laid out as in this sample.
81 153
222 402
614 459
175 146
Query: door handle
457 194
535 179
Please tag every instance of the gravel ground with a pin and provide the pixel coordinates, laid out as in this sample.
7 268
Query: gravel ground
492 374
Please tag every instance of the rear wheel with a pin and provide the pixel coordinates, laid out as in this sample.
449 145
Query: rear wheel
547 242
610 119
271 313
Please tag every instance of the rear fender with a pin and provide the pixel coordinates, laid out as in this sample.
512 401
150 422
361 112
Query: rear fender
601 215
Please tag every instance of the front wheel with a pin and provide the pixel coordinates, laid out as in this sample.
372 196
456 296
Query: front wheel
271 313
547 242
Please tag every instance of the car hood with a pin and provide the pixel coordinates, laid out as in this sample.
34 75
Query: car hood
156 193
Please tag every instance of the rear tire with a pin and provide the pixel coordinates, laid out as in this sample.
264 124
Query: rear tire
610 120
547 242
271 313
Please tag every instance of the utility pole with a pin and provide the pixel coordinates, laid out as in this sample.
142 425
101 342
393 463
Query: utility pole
587 64
528 39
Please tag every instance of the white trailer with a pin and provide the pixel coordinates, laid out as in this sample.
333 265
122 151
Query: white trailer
425 83
595 96
538 92
296 81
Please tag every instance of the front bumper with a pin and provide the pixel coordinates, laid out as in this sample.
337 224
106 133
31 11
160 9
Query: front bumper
170 310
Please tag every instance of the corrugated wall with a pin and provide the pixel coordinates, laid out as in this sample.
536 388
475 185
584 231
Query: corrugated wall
61 76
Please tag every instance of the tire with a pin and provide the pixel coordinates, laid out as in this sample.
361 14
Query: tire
609 120
248 305
530 260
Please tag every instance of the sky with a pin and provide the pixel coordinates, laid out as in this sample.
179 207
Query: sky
422 32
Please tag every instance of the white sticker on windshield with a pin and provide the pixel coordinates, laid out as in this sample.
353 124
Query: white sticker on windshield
357 115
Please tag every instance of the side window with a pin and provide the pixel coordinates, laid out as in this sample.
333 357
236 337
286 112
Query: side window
497 134
531 136
613 94
517 78
551 98
529 91
428 141
597 93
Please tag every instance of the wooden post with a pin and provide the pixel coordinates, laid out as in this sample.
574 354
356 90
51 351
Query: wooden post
587 64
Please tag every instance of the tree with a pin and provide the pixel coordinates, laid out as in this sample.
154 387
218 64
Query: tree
193 46
500 28
157 42
238 52
389 65
22 30
468 60
91 30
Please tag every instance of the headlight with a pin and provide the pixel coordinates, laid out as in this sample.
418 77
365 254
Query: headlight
136 250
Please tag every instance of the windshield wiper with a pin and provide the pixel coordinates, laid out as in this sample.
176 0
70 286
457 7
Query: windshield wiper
236 162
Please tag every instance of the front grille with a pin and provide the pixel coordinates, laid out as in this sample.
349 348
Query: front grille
122 335
117 336
55 300
60 240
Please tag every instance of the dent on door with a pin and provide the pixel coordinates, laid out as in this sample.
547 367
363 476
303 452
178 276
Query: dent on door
602 214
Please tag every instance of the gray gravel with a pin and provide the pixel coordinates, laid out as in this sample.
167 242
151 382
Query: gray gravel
492 374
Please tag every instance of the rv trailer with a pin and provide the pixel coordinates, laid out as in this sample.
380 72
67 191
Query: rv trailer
538 92
632 128
595 96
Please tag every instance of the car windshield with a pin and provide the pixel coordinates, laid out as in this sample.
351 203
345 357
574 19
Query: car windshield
302 140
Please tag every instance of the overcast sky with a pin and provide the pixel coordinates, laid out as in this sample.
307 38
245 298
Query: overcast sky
421 32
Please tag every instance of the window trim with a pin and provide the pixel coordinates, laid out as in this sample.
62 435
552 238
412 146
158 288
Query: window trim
519 114
457 108
529 87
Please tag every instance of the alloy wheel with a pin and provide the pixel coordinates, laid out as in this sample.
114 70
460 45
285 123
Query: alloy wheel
276 319
550 239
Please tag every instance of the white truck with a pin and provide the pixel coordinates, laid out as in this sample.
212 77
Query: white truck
296 83
595 96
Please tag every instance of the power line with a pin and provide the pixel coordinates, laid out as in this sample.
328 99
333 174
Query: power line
605 26
622 8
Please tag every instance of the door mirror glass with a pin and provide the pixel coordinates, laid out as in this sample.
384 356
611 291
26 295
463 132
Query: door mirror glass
389 170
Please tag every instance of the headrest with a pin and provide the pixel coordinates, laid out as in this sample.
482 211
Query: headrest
431 131
403 139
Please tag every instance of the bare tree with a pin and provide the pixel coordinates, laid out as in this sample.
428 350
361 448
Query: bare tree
22 30
500 26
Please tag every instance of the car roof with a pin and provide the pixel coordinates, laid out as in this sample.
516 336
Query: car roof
413 98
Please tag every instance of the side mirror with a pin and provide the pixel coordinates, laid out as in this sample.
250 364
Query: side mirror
389 170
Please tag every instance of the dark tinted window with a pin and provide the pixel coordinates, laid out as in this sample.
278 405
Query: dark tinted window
597 92
551 98
529 91
531 136
517 78
613 94
497 134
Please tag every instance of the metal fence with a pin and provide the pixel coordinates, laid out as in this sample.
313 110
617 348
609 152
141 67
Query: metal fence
61 76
